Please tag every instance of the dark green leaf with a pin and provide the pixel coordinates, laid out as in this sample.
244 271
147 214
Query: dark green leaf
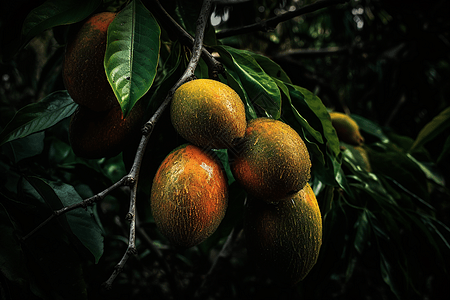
39 116
53 13
445 150
439 124
12 260
387 274
28 146
132 54
370 127
79 222
315 104
262 91
362 235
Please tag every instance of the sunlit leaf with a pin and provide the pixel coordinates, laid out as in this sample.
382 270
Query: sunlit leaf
39 116
270 67
263 92
132 54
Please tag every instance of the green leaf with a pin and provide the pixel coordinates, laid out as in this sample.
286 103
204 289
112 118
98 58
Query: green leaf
262 91
270 67
26 147
445 150
439 124
315 105
132 54
12 260
387 275
370 127
362 235
79 222
38 116
54 13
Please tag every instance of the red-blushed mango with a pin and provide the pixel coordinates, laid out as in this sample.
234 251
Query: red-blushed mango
346 128
271 162
284 238
208 113
83 69
94 134
189 196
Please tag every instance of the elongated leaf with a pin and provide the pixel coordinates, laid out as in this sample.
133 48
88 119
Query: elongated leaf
445 150
232 79
54 13
315 104
387 274
26 147
79 221
262 91
39 116
132 54
270 67
362 235
370 127
439 124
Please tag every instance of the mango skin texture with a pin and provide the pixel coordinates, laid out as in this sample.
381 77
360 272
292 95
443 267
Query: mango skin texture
208 113
95 134
284 238
83 69
189 196
271 162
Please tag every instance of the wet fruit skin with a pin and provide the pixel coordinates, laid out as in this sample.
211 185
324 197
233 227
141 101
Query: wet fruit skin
346 128
271 162
83 70
208 113
189 196
95 134
283 239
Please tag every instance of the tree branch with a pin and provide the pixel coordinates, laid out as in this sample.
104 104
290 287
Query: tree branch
270 24
83 204
148 128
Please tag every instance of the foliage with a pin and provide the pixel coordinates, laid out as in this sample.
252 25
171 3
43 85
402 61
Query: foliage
386 230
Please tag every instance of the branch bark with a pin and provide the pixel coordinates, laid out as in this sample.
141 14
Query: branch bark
147 130
270 24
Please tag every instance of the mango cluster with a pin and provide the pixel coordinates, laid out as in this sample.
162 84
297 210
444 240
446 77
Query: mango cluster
189 195
97 128
282 220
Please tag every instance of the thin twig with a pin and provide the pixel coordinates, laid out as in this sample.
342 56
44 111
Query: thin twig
214 66
148 128
270 24
83 204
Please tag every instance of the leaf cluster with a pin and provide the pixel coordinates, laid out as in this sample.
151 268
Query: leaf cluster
385 230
